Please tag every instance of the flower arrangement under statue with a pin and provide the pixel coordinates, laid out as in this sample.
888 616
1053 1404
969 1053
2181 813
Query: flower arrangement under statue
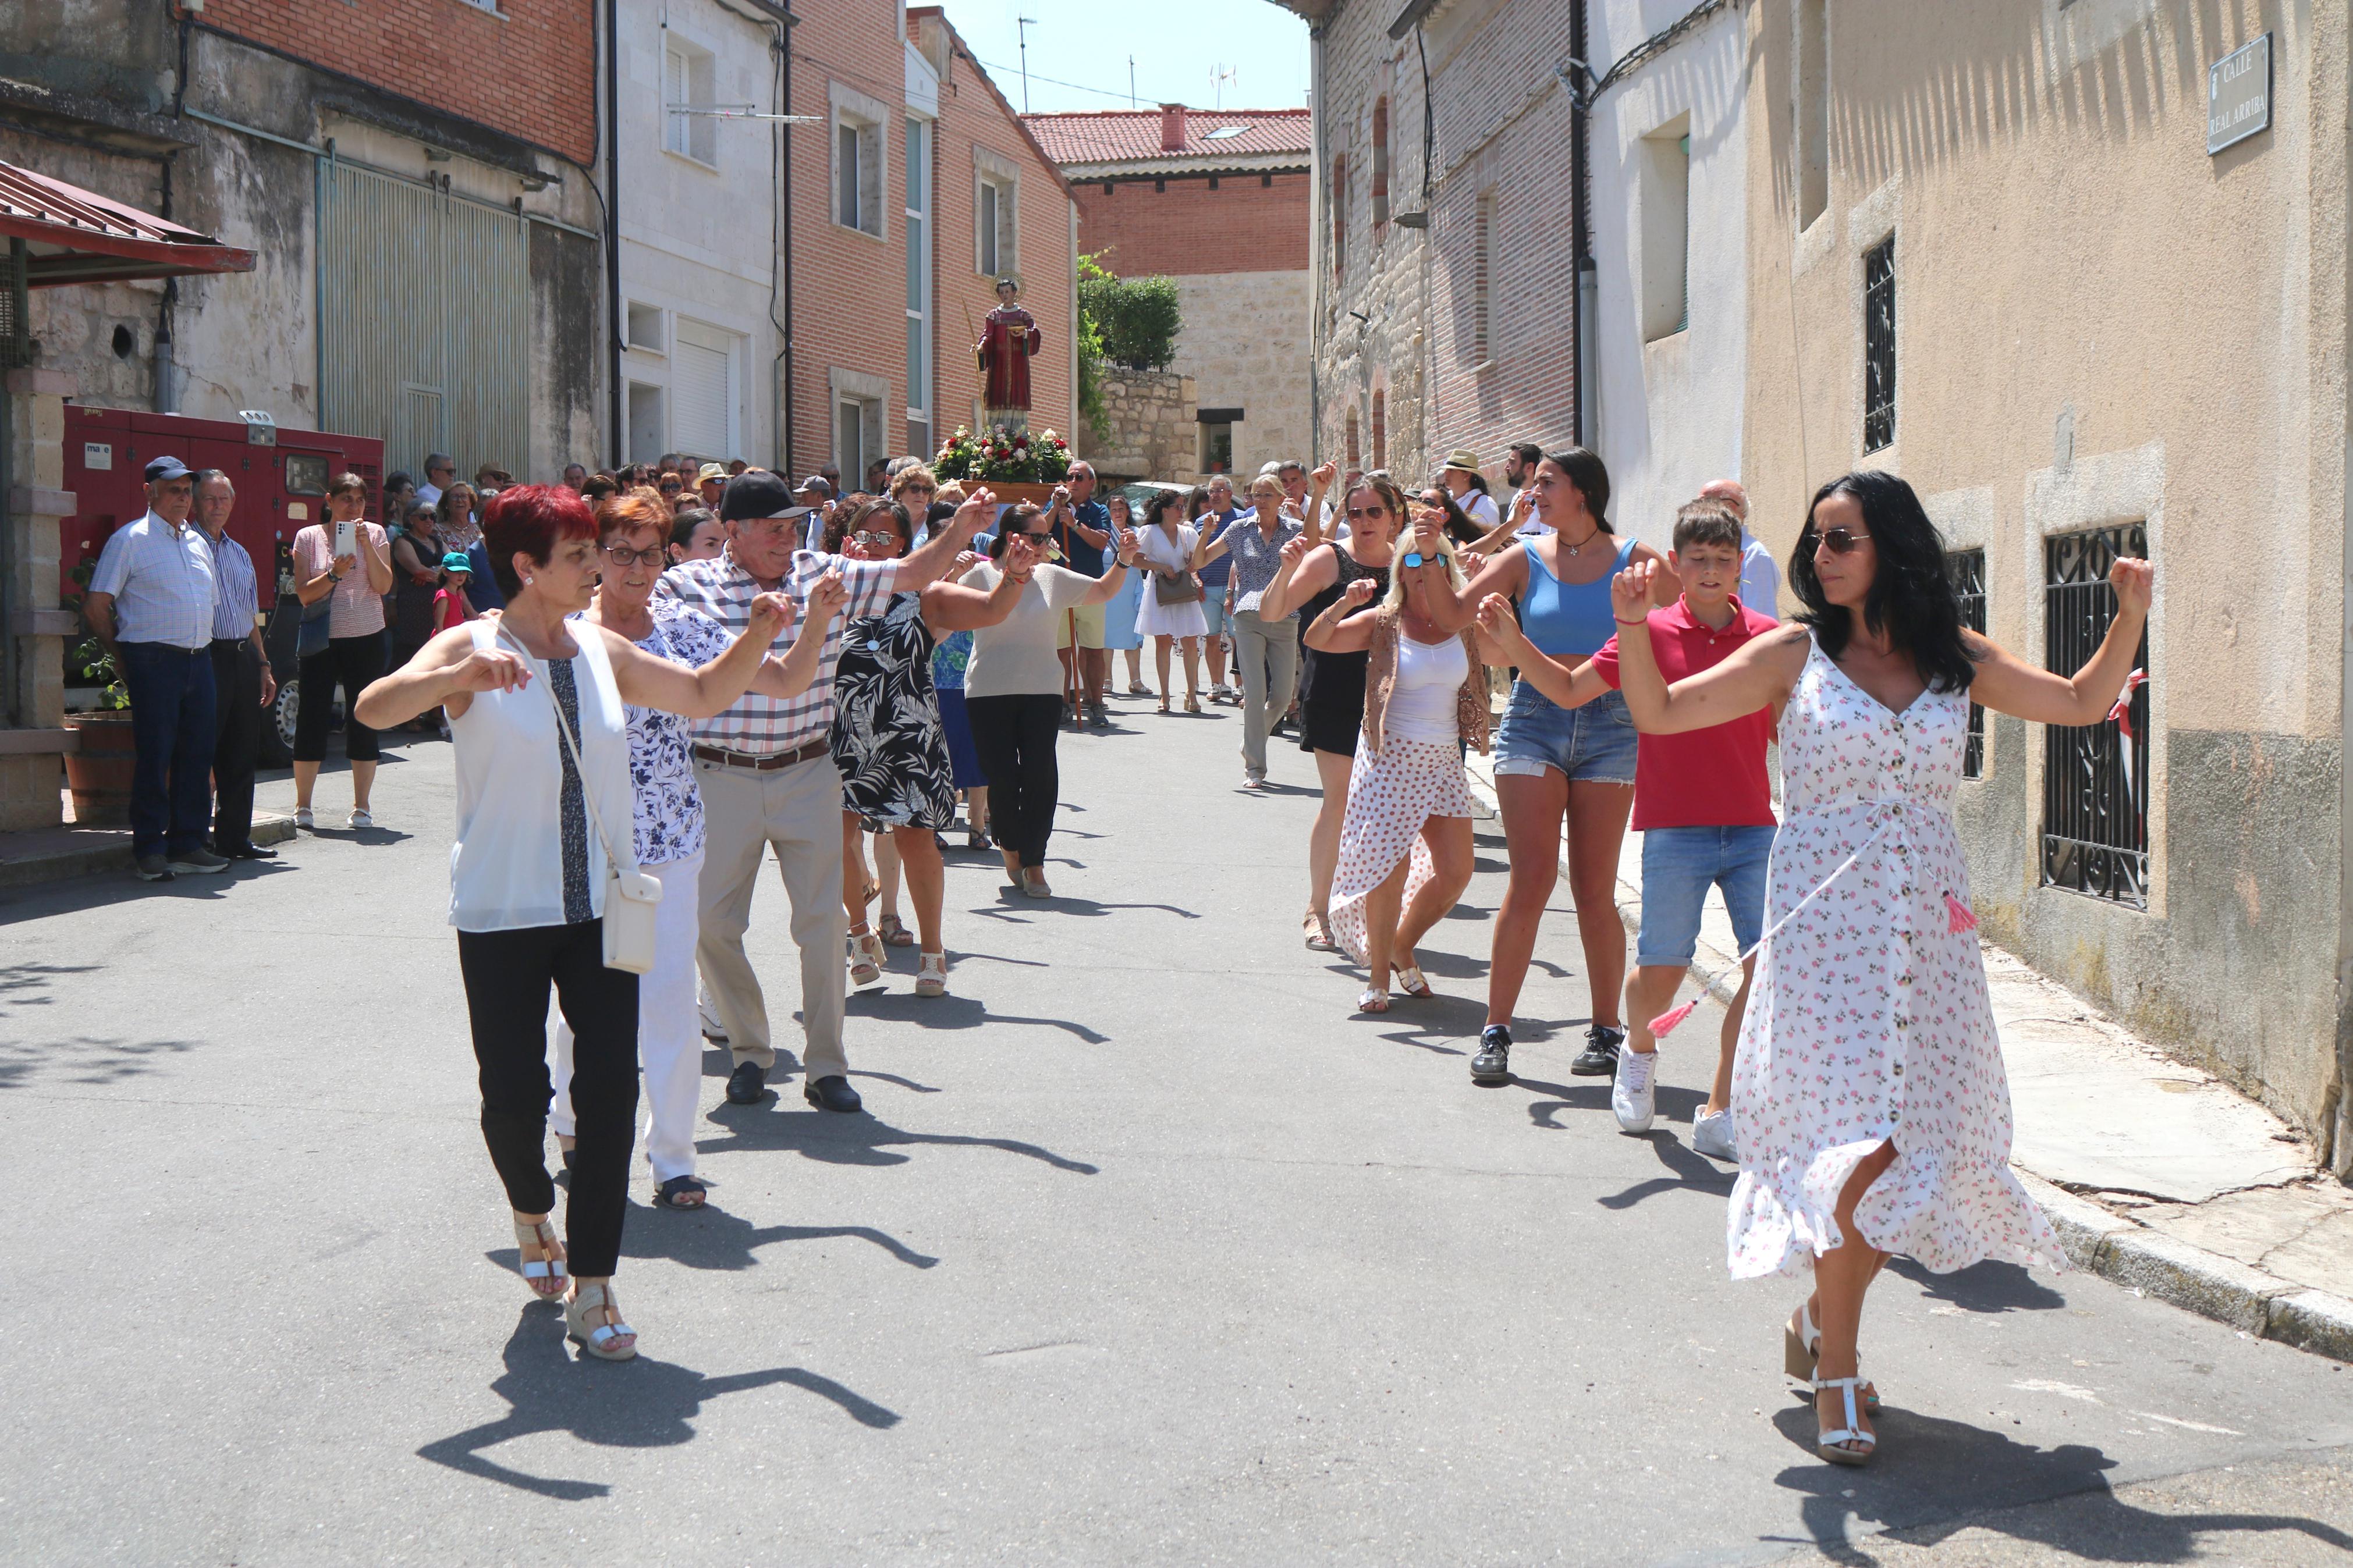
1005 454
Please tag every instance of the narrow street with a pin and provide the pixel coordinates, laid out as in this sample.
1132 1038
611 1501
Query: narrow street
1145 1251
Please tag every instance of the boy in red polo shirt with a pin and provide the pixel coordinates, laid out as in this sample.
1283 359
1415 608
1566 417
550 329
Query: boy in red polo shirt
1703 804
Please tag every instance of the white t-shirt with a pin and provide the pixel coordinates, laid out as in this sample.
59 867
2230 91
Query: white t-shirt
1016 658
429 494
1421 704
1479 508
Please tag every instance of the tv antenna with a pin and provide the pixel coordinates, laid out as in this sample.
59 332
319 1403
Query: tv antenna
1219 76
743 111
1021 25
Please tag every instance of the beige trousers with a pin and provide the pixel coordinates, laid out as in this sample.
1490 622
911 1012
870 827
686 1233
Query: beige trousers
797 810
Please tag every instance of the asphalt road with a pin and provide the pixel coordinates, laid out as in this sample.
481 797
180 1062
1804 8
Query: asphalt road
1145 1252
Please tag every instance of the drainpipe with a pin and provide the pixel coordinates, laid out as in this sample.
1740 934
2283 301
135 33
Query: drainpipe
791 463
1583 313
613 221
1315 251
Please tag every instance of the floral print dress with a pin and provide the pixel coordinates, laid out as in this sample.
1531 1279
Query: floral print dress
661 745
1870 1021
887 739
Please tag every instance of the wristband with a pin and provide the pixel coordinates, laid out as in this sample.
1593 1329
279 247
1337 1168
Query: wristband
1644 622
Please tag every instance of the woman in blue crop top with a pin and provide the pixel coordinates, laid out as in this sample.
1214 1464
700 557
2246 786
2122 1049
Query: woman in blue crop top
1554 765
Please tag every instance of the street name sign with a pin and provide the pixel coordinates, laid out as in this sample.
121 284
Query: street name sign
2239 94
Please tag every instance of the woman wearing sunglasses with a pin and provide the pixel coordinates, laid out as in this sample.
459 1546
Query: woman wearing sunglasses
887 739
1868 1088
1169 612
1405 844
633 533
1313 578
1013 688
1554 765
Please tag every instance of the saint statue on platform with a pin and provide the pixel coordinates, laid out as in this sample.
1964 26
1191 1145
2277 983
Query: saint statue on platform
1008 340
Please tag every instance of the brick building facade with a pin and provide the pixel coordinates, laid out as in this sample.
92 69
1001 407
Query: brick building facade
1446 282
1220 202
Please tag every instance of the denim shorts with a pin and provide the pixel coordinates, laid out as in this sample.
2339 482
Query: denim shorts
1679 866
1594 743
1213 608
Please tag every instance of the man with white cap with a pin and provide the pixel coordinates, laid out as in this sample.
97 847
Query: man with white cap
766 771
151 607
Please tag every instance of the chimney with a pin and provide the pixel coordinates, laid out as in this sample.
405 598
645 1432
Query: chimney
1172 128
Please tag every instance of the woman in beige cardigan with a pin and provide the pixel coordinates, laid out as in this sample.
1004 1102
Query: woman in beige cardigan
1405 843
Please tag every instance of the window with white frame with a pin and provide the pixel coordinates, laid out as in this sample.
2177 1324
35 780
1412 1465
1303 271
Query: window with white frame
995 216
859 159
687 84
919 287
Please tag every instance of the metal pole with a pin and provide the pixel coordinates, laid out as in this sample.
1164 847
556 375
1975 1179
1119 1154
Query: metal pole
1021 25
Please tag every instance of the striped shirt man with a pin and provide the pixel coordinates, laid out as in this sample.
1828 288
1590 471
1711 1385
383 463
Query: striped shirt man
161 581
240 594
765 726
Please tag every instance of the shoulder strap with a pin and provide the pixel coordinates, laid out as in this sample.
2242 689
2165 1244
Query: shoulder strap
571 744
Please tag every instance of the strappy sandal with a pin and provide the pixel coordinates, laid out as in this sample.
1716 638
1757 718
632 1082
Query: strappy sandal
1801 1346
895 932
865 959
1315 927
542 1276
682 1193
1163 705
1409 981
1192 703
978 838
1372 999
1831 1442
932 974
600 1342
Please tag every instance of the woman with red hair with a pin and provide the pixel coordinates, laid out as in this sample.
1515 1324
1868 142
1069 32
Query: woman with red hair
537 703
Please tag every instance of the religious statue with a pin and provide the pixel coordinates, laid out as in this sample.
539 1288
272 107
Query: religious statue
1008 340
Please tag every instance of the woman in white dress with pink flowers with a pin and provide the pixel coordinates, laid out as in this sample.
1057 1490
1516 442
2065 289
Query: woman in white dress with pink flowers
1873 1113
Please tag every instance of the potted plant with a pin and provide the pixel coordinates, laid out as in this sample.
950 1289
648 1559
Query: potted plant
99 766
1015 464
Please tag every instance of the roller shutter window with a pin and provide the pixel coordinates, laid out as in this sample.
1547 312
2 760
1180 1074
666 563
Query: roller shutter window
703 391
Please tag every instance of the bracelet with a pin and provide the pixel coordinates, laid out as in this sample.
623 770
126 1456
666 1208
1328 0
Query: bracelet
1643 622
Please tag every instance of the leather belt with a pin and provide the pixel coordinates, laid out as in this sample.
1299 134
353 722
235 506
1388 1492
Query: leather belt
765 765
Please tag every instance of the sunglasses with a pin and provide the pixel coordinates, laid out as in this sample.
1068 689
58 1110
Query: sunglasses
920 489
1358 513
1842 541
881 538
622 555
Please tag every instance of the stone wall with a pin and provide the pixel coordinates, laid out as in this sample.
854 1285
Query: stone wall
1153 434
1247 344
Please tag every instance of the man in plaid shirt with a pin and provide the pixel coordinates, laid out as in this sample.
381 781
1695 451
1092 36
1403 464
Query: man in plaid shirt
767 778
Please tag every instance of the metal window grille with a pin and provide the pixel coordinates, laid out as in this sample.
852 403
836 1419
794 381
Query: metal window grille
1968 567
1879 345
2094 783
15 324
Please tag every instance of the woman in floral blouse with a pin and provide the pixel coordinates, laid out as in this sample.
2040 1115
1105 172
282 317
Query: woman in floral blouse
887 739
633 530
1873 1111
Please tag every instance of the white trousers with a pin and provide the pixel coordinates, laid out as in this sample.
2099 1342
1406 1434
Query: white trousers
670 1033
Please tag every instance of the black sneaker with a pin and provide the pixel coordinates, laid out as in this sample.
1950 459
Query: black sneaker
1493 1062
1599 1057
152 868
747 1085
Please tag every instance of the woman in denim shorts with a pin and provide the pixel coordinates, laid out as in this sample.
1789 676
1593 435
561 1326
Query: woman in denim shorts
1554 765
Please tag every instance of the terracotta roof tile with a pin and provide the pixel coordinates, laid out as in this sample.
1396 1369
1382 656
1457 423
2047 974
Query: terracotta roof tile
1123 135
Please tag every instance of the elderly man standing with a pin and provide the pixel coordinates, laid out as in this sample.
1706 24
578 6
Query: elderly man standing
151 607
440 470
1760 580
1082 529
243 686
766 773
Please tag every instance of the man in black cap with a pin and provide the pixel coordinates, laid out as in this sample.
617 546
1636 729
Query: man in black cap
766 771
151 607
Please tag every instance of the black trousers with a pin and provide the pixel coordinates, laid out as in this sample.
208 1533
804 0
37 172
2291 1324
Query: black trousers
354 661
1014 739
508 973
237 731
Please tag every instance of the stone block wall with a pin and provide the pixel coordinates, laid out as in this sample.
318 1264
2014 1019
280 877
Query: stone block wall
1154 432
1247 344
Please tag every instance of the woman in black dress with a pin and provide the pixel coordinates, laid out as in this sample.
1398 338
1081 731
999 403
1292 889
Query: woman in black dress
1332 711
887 741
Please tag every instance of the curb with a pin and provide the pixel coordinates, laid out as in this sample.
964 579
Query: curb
112 854
2118 1248
2128 1253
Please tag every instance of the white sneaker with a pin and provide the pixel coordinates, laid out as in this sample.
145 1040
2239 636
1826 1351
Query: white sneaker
712 1029
1712 1135
302 816
359 818
1632 1092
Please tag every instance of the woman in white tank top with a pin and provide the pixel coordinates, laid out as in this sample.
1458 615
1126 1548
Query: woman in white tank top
1404 841
527 874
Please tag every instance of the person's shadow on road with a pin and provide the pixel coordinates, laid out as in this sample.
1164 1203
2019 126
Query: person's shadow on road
1939 1477
639 1404
863 1138
711 1237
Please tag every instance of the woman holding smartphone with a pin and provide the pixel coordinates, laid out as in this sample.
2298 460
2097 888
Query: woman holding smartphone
347 559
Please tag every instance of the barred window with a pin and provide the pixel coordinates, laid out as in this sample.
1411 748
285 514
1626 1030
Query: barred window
2094 780
1879 345
1968 567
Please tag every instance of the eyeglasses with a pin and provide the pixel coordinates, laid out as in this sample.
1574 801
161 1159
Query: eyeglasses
622 555
1359 513
880 539
1842 541
671 486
